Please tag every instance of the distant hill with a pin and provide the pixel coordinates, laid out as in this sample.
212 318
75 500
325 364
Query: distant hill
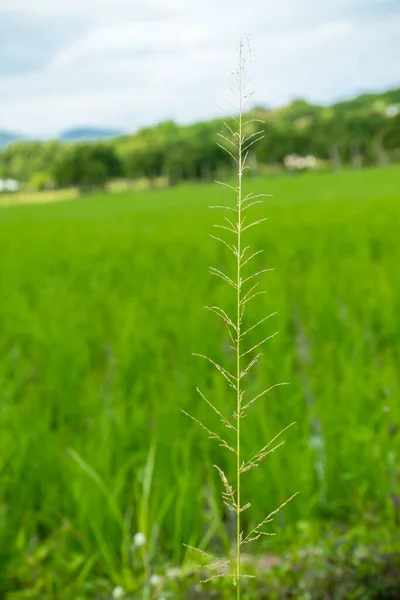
77 134
8 137
84 134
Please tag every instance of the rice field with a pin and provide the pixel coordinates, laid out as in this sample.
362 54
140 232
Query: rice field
101 309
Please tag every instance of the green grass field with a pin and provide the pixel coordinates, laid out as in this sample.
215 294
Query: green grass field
101 307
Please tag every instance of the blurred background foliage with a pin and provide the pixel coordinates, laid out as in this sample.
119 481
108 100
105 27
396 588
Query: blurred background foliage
361 131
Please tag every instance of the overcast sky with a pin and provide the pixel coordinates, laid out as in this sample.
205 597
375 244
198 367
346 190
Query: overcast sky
130 63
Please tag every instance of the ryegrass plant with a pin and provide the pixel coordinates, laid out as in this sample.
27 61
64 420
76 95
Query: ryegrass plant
237 142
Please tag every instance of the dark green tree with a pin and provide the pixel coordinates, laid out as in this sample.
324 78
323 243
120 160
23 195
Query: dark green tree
87 166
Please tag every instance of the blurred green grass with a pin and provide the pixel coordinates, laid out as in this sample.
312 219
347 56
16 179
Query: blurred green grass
101 306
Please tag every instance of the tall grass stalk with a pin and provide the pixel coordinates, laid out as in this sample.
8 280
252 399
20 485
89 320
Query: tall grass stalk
238 143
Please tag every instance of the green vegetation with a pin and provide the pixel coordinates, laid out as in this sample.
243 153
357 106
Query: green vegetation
364 130
86 166
102 302
41 181
242 360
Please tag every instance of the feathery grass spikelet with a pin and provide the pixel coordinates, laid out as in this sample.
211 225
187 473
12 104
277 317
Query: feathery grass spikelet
237 144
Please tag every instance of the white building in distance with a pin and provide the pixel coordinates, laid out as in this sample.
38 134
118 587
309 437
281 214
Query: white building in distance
9 185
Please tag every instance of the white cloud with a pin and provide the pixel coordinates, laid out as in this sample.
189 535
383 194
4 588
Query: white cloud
133 65
309 39
61 6
129 39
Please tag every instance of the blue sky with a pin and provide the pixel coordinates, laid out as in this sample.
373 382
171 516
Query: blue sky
131 63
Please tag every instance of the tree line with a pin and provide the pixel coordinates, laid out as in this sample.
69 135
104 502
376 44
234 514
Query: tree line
364 130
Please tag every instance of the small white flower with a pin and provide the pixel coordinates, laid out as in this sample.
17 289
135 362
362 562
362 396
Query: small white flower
139 540
155 580
174 572
118 593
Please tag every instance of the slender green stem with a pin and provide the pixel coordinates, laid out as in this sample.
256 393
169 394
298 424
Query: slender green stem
232 497
238 386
